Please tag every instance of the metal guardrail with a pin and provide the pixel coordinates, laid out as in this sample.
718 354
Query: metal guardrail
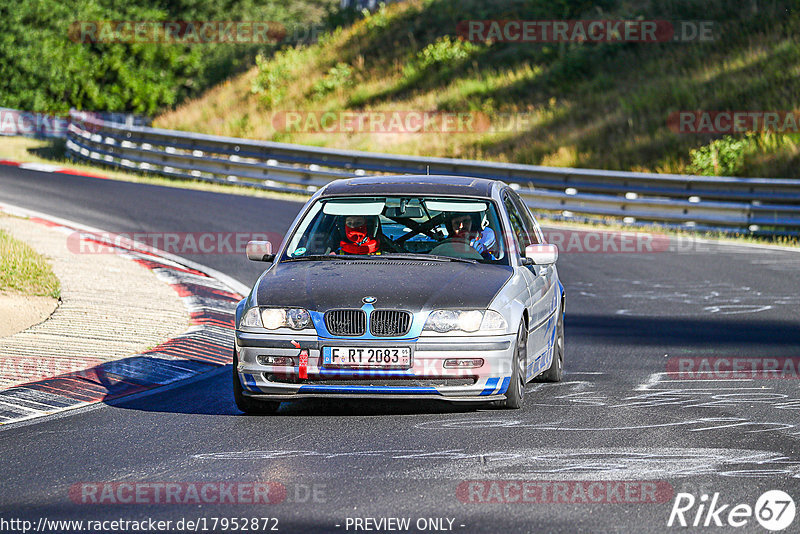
758 205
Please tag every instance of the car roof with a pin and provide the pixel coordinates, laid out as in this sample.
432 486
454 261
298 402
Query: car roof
412 185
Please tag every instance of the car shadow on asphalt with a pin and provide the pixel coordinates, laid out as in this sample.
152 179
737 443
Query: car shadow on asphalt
214 396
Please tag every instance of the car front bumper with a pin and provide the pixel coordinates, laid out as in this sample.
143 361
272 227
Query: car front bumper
426 378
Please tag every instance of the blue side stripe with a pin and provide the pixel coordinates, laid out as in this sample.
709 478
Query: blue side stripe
551 349
504 385
364 389
491 384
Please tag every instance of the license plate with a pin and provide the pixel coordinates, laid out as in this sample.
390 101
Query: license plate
378 357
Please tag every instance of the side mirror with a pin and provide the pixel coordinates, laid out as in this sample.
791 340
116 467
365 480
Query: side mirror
541 254
260 251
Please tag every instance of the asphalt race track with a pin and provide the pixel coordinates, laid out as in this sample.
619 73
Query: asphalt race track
607 450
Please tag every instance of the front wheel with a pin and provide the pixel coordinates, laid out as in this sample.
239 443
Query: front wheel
516 389
556 371
246 404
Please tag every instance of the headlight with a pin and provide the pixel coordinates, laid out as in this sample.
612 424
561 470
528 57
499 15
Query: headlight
275 318
251 318
492 320
298 318
466 321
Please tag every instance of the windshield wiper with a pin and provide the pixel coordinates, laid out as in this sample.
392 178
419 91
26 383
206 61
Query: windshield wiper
324 257
426 257
396 256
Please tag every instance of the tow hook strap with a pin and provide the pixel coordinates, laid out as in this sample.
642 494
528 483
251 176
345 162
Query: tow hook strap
302 371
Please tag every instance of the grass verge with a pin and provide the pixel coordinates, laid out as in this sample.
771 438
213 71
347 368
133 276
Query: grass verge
23 270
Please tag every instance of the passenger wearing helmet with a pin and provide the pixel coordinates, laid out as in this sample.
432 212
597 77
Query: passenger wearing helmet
357 236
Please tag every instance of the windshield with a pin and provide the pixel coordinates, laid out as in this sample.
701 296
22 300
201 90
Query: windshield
408 227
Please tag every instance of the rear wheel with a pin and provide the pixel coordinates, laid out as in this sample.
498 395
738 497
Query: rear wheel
556 371
516 389
246 404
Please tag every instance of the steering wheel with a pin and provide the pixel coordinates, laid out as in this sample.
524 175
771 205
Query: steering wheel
468 251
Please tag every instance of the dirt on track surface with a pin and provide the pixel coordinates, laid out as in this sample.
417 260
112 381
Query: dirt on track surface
19 312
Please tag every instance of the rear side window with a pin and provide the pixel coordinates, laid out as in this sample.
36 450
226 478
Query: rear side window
522 237
528 221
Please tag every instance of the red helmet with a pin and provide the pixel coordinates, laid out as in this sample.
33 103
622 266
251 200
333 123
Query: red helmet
357 235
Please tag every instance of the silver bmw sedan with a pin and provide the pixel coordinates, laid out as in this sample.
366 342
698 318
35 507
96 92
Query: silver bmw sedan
406 287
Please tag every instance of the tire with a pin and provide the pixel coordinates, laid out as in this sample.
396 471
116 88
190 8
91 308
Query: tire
516 389
246 404
556 371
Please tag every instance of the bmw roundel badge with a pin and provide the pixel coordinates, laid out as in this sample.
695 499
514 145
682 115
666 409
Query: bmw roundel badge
369 300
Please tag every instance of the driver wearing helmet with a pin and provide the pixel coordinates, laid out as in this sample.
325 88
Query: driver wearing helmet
462 229
466 238
485 243
357 236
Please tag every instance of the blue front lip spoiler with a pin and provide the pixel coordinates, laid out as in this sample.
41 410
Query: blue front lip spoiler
491 385
366 389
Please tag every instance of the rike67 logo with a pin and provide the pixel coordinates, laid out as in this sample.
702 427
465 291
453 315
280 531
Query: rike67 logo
774 510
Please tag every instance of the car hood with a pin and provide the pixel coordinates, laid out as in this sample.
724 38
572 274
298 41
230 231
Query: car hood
408 285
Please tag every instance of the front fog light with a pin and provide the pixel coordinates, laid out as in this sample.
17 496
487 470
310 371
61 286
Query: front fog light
273 318
275 360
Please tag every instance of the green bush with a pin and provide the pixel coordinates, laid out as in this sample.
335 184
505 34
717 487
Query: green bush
445 53
339 76
43 70
721 157
273 77
731 155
